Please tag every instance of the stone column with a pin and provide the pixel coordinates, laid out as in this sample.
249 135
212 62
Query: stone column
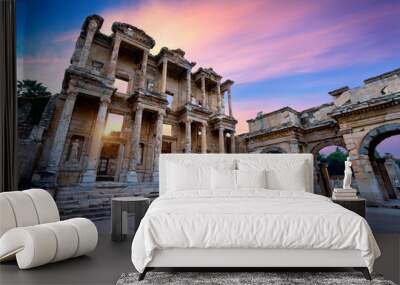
157 144
57 146
203 91
188 136
121 154
204 138
131 83
223 102
188 86
366 180
134 158
112 67
164 76
230 102
96 143
221 139
219 100
143 69
233 145
91 31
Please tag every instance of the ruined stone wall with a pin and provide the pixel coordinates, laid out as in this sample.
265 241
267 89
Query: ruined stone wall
315 115
370 90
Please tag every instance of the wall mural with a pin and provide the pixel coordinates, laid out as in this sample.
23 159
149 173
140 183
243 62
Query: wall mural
108 93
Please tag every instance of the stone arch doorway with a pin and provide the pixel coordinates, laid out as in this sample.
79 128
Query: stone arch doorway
273 149
327 174
384 169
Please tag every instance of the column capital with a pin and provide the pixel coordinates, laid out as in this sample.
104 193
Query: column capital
72 94
204 124
139 107
92 25
188 121
161 113
105 100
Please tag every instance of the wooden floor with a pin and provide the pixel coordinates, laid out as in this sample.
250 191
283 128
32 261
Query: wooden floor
111 259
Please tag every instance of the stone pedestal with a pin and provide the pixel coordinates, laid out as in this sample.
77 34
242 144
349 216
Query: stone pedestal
131 176
96 143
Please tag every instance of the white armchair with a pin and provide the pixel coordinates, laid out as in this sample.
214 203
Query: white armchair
31 230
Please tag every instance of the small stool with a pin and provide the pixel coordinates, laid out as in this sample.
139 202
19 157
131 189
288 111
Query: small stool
120 207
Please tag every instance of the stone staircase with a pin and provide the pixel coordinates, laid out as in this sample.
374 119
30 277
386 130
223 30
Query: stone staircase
94 202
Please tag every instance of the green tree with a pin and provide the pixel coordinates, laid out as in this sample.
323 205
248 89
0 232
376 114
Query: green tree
336 161
31 89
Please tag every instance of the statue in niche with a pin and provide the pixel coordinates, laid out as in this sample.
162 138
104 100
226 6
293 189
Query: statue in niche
150 85
74 152
347 174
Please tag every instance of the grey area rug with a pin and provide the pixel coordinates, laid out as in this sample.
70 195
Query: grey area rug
229 278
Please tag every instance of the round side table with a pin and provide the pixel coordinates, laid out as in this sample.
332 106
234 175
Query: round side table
120 207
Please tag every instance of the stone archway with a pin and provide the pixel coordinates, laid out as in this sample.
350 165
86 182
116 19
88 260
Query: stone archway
273 149
334 142
322 181
371 168
377 135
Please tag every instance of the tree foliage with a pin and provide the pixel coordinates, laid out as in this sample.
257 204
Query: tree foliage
31 89
335 161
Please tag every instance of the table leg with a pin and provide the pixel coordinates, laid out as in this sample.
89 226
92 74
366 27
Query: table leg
116 221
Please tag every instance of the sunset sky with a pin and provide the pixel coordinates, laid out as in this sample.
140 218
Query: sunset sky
279 53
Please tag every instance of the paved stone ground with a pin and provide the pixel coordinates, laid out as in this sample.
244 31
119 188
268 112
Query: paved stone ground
384 220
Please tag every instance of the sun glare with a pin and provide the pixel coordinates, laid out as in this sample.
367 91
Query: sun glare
114 123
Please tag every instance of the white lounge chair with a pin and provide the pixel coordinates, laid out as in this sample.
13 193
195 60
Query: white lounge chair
31 230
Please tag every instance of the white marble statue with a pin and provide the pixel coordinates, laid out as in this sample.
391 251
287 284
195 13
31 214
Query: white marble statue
73 156
347 174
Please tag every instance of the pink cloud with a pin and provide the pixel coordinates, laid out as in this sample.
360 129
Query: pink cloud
255 40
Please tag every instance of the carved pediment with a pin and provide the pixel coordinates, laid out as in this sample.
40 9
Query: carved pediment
134 33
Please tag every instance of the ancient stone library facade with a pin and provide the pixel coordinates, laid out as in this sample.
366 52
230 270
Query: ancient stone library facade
120 107
358 119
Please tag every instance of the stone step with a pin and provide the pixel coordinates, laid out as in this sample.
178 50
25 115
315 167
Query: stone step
95 203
